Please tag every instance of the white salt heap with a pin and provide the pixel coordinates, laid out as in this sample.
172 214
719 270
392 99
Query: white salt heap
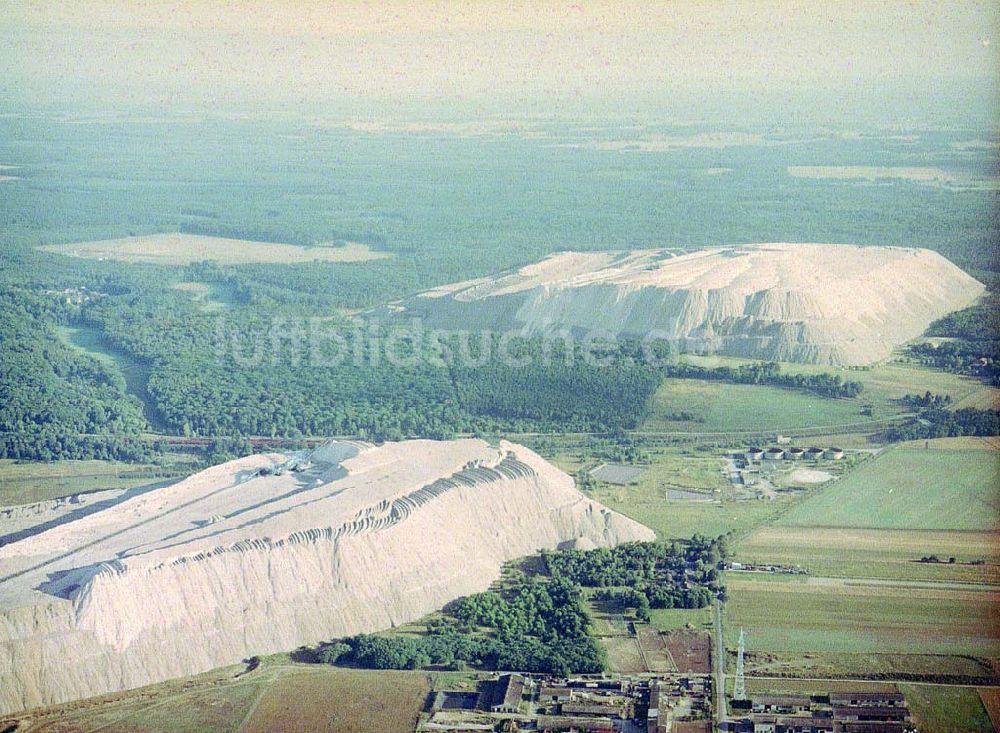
236 560
817 303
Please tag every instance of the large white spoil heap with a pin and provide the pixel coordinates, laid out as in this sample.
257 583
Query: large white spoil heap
817 303
270 552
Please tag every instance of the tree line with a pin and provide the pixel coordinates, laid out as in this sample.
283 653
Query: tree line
539 623
535 626
937 422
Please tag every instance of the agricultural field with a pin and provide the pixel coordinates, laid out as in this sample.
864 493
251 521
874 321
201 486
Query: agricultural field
671 619
791 686
878 553
340 701
887 382
214 702
606 618
28 482
183 249
947 709
802 617
697 405
279 695
691 651
813 666
910 487
624 655
679 518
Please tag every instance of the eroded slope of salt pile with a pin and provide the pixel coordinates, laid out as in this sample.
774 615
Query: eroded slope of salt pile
818 303
234 561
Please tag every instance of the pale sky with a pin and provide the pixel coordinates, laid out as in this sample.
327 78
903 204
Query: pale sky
287 51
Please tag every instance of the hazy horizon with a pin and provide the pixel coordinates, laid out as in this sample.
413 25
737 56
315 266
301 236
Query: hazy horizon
776 62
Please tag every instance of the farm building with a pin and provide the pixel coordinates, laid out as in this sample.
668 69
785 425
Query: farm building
866 727
737 726
795 725
590 709
554 694
873 713
868 699
780 703
504 694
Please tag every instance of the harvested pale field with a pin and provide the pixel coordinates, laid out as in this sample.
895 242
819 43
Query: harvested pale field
878 553
273 698
624 655
946 709
808 476
215 702
341 701
815 303
183 249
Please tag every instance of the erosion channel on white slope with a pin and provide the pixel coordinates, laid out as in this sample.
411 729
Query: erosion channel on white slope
816 303
270 552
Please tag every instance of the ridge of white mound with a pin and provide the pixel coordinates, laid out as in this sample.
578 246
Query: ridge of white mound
820 303
270 552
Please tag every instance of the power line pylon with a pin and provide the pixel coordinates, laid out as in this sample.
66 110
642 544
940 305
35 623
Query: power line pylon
740 686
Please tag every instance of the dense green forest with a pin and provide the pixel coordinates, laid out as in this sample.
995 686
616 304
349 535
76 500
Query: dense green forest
444 207
55 402
973 341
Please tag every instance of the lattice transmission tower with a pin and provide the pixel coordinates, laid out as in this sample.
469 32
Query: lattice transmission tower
740 686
